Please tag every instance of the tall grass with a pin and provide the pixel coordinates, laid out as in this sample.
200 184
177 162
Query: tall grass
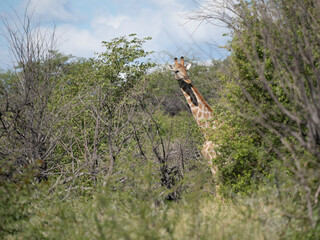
138 215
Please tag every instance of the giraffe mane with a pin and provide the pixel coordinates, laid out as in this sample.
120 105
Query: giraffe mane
202 98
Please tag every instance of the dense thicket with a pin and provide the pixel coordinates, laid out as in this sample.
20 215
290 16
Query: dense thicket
106 148
70 127
271 99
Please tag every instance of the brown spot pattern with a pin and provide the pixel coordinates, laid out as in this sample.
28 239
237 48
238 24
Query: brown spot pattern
195 111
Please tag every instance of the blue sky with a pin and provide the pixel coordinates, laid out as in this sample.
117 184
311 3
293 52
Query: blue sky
81 26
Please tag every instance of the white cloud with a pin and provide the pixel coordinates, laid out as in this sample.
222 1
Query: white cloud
163 20
114 22
53 9
79 42
166 22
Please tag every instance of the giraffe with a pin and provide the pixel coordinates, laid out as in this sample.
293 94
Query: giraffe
200 109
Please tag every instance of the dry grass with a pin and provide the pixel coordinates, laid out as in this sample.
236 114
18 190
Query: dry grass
115 218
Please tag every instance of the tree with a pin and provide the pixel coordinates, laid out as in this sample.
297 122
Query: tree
275 72
101 120
27 131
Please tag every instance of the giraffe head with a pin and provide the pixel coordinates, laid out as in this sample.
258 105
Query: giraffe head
180 70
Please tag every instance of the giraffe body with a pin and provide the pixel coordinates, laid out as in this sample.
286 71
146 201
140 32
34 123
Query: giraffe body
209 153
199 108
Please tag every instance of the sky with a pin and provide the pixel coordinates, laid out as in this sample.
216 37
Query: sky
81 26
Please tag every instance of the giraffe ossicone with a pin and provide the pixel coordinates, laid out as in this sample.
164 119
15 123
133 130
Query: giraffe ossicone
200 109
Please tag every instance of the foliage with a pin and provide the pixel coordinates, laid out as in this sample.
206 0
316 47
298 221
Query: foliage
102 149
14 208
101 94
283 58
135 213
269 93
268 107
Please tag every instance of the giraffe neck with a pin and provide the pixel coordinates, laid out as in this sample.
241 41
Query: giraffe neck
199 107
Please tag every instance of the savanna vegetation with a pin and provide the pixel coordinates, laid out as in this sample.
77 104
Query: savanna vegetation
106 148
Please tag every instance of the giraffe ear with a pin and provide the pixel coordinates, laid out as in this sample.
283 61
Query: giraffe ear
170 67
188 66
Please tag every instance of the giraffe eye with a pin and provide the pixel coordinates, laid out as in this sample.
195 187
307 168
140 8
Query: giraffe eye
176 71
